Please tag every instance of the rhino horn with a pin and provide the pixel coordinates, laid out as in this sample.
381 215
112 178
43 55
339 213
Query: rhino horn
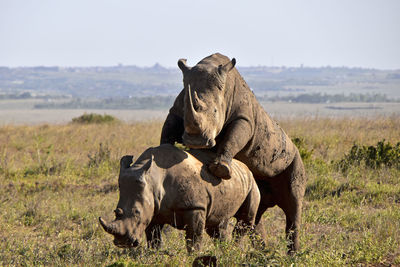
110 228
182 65
193 116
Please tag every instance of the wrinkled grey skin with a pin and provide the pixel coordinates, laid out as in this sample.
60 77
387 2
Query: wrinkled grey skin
216 110
169 186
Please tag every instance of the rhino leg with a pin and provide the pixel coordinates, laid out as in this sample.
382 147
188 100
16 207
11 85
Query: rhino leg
259 234
219 232
236 136
153 236
292 193
246 215
172 130
221 169
195 224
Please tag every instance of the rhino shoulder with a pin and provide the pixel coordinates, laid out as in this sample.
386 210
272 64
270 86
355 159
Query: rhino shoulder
177 107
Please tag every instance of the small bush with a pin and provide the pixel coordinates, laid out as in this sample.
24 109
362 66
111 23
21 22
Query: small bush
301 146
94 118
381 155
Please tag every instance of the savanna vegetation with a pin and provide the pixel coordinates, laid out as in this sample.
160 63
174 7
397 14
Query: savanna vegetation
55 180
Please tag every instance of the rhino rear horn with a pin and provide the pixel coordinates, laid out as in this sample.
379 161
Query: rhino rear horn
223 69
182 65
126 161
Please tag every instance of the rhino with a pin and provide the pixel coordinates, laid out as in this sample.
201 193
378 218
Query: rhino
217 111
167 185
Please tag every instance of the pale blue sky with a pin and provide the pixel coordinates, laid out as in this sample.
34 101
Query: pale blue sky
355 33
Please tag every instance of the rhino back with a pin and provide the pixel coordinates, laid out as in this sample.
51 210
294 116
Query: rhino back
187 184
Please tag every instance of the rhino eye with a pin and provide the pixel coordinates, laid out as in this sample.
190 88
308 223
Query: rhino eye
196 106
136 212
118 212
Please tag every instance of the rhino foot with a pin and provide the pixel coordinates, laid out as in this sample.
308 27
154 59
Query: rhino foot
221 169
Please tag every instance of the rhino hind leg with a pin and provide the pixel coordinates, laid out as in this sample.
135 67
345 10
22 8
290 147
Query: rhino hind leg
246 215
267 201
195 224
153 236
292 200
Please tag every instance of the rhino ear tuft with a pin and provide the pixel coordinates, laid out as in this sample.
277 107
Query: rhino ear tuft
182 65
224 69
126 161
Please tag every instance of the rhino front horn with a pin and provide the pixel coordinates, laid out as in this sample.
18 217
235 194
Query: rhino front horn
108 227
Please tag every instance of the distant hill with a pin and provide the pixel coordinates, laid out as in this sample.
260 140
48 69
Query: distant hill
132 81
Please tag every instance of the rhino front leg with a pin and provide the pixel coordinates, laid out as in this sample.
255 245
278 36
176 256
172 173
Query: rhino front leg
172 130
153 236
195 224
219 232
236 136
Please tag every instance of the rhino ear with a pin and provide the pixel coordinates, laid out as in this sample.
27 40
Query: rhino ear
146 167
224 69
126 161
182 65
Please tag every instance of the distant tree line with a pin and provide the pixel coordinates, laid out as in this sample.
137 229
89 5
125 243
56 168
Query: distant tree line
29 95
165 102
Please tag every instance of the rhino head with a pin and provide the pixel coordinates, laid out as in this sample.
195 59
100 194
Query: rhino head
204 103
135 206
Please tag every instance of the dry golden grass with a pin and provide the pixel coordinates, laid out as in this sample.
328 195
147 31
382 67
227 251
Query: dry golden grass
55 180
332 137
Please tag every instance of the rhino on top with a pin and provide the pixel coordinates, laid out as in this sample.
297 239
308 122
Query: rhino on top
216 110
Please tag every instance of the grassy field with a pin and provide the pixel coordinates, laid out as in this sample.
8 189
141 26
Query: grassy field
55 180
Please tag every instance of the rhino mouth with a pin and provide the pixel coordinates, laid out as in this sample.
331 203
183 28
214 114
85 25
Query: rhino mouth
197 141
126 242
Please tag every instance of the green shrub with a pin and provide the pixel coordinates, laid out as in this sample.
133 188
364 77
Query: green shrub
94 118
381 155
304 152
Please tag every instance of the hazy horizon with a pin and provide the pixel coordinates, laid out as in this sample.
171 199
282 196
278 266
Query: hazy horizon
176 67
290 33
